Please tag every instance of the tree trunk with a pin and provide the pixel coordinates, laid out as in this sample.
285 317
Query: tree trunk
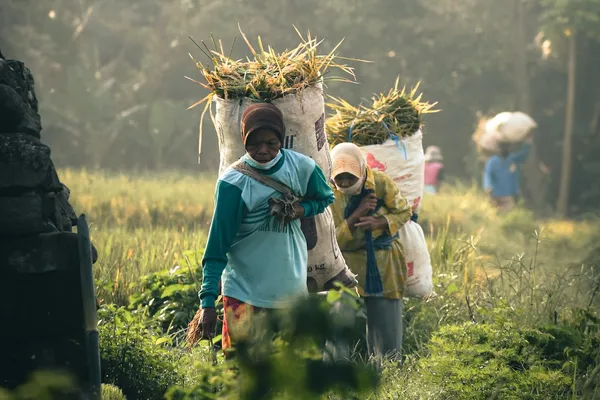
534 180
521 75
565 179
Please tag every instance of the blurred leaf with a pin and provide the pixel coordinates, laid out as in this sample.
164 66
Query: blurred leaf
172 289
333 296
162 340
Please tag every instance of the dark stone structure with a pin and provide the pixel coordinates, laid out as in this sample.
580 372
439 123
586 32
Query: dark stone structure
41 297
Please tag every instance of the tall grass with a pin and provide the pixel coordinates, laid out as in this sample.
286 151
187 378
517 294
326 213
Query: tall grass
143 223
142 201
538 266
128 254
540 271
140 223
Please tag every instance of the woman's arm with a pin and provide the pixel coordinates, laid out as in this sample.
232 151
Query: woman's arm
346 237
488 176
229 213
520 156
318 194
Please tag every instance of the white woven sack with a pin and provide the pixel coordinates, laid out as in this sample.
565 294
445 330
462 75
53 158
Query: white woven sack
511 127
516 127
419 282
404 162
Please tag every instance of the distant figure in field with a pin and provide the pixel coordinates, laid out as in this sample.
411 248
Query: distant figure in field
501 175
434 169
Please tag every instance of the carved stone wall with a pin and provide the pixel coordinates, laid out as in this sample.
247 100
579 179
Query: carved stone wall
41 311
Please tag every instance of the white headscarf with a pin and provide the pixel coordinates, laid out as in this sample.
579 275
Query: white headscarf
433 153
347 157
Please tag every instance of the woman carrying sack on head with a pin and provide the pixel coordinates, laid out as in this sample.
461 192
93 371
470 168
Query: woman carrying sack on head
368 211
502 173
255 243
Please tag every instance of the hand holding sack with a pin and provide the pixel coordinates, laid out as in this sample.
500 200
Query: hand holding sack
367 205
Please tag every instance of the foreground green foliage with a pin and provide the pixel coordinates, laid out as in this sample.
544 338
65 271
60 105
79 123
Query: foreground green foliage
112 392
133 358
43 385
292 365
47 385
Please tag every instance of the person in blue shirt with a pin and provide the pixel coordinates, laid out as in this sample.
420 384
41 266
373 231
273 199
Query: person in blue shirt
501 175
262 263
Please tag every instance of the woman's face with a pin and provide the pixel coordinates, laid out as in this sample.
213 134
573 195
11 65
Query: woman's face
263 145
345 180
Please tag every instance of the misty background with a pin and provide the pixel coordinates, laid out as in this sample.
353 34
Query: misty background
110 75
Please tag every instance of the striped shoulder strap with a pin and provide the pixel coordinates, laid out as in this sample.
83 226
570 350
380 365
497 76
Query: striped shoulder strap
247 170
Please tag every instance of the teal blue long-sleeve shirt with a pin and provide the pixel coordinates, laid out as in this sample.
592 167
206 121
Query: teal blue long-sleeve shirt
261 263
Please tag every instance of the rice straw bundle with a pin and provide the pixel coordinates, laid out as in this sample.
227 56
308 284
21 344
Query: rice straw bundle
268 75
398 112
194 331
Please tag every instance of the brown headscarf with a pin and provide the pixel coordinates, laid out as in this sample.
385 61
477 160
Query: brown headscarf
262 116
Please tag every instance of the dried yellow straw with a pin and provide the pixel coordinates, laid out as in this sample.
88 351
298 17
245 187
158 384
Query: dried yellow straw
398 112
268 75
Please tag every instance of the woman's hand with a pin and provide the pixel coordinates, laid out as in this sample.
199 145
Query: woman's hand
299 210
281 211
368 204
298 213
370 223
208 322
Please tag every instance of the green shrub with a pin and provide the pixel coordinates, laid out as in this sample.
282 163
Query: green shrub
211 382
500 359
111 392
171 296
574 346
133 358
